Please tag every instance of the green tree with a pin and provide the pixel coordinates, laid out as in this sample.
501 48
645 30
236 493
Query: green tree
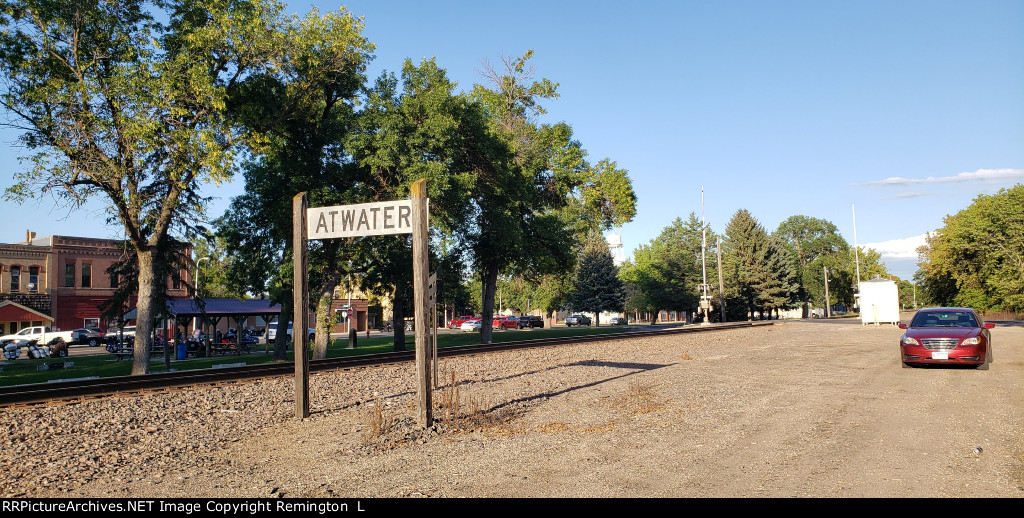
871 265
297 117
814 244
755 268
419 128
117 104
643 282
981 250
596 285
212 267
538 196
667 273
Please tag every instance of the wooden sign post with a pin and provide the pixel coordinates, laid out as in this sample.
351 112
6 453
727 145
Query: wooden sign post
300 301
420 269
366 219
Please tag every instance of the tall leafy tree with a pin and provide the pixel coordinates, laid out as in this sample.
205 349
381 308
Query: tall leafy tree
412 129
117 104
296 117
596 285
643 282
533 206
981 250
814 245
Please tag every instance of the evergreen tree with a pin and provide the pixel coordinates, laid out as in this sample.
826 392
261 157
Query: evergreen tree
756 272
596 286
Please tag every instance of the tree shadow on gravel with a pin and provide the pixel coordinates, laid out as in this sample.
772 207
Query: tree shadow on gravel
636 368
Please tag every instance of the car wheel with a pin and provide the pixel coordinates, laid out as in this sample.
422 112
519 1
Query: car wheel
93 342
984 365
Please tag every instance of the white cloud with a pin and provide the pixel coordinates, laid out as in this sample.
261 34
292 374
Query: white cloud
913 194
981 175
905 248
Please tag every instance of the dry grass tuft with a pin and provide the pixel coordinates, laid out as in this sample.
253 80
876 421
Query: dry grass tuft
376 422
459 412
687 356
640 398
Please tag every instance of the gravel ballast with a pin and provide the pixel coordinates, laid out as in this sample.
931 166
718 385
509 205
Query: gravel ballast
804 409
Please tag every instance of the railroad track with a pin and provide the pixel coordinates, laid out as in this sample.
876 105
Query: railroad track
72 391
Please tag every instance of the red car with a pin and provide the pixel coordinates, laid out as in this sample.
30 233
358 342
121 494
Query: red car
946 336
456 322
502 322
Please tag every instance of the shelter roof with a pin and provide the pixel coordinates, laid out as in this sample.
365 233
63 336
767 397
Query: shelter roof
186 307
11 311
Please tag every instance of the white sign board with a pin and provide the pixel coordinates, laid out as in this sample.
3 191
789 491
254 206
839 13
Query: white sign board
363 219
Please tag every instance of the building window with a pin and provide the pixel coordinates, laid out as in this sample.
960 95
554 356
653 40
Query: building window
91 322
176 281
33 279
69 275
113 279
15 279
86 275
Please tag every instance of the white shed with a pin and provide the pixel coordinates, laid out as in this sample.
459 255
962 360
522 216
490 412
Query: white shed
879 302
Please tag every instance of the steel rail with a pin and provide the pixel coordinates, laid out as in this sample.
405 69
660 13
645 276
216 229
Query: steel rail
79 390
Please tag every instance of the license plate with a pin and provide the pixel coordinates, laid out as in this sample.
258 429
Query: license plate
940 355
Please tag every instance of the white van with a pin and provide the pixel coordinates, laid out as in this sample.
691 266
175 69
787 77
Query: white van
272 333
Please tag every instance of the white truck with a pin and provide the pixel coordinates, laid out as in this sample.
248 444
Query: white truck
39 334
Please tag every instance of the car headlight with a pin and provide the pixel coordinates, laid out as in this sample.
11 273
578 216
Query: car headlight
971 341
906 340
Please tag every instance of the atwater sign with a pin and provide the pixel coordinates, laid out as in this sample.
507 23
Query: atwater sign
363 219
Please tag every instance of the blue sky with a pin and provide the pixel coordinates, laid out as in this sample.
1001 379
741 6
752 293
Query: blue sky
904 110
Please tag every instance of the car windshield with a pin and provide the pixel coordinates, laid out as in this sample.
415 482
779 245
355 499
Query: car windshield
944 319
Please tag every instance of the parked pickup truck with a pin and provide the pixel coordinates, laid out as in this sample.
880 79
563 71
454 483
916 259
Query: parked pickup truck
38 334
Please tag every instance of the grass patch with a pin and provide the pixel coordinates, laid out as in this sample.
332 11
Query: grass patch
24 371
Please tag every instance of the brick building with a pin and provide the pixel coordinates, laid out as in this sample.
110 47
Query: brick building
59 281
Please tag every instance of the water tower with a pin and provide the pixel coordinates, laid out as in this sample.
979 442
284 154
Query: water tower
615 245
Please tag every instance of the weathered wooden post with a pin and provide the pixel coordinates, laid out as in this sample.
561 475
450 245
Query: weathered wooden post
300 300
420 273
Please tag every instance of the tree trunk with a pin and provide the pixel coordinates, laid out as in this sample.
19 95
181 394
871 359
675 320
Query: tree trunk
280 343
324 319
144 313
398 316
487 313
597 319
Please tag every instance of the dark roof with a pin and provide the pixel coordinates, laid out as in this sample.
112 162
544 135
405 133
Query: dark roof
185 307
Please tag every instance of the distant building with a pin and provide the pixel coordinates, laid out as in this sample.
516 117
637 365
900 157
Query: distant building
60 281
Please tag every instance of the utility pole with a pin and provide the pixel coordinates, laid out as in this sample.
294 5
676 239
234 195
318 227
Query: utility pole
704 304
828 305
856 252
721 285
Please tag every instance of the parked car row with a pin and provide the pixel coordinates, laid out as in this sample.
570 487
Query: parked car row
500 322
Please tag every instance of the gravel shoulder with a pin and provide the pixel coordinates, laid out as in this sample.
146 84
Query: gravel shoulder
797 409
